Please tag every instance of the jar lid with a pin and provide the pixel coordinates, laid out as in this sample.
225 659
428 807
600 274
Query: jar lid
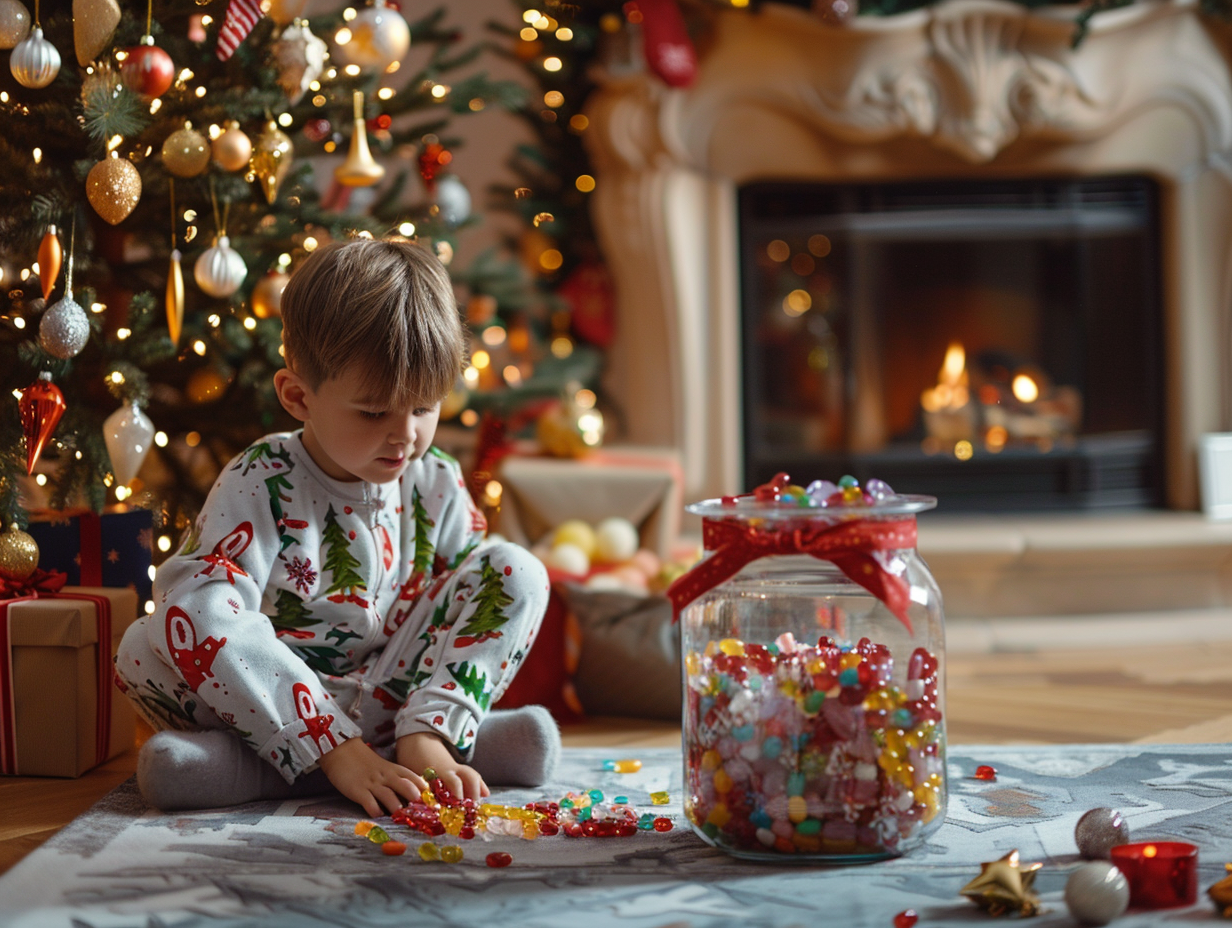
780 499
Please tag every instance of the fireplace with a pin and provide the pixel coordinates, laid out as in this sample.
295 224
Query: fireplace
994 342
941 100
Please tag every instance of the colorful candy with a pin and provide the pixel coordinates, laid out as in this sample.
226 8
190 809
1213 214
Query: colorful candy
802 749
985 772
819 494
623 766
660 798
499 859
393 848
451 853
906 918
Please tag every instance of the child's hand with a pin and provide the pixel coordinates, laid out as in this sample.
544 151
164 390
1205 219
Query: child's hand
363 776
424 749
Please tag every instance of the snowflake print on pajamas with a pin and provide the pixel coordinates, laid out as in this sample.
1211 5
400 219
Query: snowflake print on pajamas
302 574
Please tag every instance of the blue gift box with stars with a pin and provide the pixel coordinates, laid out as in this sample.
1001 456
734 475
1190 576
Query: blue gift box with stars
112 548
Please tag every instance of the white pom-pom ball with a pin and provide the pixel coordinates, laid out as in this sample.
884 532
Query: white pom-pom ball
616 540
1096 893
568 558
605 582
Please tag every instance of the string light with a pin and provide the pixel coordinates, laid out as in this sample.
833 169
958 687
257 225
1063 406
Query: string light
160 439
164 542
342 36
531 16
552 63
199 347
528 34
469 418
564 33
18 322
38 155
122 334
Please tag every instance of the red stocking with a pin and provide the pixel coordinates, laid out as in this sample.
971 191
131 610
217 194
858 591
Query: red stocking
669 51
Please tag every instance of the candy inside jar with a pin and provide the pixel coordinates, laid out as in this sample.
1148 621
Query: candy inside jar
813 669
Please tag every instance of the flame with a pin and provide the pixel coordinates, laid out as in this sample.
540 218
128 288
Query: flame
951 389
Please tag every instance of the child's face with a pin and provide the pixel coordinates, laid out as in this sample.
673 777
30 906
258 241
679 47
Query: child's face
352 437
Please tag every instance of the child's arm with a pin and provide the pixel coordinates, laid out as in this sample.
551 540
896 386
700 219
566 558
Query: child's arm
361 775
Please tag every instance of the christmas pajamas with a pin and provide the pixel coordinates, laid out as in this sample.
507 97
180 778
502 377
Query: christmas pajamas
301 611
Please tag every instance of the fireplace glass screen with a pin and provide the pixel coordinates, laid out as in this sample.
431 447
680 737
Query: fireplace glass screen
994 343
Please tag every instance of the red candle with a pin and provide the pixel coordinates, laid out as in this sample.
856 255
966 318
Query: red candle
1161 874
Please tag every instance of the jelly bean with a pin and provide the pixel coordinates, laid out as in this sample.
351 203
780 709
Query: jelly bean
813 701
878 489
795 783
663 824
626 829
377 834
906 918
985 772
660 798
451 853
429 774
646 822
499 859
362 828
743 732
596 795
722 781
621 800
797 809
847 482
732 647
393 848
631 765
429 851
808 826
772 747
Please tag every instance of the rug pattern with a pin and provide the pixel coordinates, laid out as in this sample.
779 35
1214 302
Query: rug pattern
299 863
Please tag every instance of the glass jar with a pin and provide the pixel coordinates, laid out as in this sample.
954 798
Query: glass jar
813 650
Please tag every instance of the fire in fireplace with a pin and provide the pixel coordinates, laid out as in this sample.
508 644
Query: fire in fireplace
995 342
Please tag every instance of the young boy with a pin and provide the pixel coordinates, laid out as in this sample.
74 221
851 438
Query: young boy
336 591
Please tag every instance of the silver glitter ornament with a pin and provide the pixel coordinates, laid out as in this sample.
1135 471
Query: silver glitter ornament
1098 831
1096 893
64 328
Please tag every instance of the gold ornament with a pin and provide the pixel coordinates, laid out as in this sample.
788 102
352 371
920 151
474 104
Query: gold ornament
186 153
175 297
285 12
93 23
454 402
572 429
267 295
232 148
34 61
113 188
206 385
1221 893
271 159
1005 886
50 256
19 554
359 169
14 23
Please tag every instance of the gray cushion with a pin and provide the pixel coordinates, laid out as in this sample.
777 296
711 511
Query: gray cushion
629 663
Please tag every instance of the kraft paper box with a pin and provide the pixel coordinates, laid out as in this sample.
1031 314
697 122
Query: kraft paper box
643 485
60 718
112 548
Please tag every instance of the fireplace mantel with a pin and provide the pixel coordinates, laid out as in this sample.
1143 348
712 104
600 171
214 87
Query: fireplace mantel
960 89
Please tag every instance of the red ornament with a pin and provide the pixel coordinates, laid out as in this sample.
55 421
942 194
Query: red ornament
432 159
148 70
317 130
906 918
41 406
592 300
985 772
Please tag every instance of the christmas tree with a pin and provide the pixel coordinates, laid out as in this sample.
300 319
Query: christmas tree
490 602
164 166
345 582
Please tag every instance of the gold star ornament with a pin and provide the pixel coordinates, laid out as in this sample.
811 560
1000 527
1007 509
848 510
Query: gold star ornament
1221 893
1005 886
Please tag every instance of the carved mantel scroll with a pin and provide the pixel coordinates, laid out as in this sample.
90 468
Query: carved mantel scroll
962 88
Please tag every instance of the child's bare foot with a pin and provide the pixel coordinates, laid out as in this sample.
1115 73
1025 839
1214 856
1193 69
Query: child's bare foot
423 750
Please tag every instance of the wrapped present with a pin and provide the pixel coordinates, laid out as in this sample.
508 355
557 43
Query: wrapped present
111 548
60 713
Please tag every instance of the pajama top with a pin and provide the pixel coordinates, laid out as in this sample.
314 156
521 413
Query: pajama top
290 580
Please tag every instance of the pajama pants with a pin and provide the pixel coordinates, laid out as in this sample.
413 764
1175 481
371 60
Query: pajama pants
438 671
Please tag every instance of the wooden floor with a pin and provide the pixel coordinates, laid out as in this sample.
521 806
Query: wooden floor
1164 693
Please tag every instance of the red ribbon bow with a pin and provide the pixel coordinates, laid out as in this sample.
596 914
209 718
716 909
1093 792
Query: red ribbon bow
40 583
849 545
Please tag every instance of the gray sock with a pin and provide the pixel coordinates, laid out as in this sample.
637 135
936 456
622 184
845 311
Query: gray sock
517 747
209 769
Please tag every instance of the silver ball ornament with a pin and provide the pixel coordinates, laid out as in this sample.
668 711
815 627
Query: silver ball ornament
1098 831
1096 893
220 270
64 328
35 61
453 200
379 37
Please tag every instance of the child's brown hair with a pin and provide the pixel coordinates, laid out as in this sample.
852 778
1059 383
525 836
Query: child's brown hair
385 307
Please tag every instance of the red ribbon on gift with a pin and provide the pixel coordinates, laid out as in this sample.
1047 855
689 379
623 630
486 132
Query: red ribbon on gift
849 545
50 585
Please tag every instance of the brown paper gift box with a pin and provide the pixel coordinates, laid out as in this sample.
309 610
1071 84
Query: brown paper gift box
55 681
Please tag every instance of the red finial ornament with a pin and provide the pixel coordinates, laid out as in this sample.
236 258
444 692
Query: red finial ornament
41 406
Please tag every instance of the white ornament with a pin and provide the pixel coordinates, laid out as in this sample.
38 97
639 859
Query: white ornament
220 270
128 433
379 37
35 61
300 58
1096 893
453 199
64 328
616 540
569 559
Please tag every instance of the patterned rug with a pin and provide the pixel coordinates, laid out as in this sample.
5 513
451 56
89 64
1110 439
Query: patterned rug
300 864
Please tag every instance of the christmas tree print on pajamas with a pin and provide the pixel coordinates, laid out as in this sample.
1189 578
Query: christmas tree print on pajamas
301 611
